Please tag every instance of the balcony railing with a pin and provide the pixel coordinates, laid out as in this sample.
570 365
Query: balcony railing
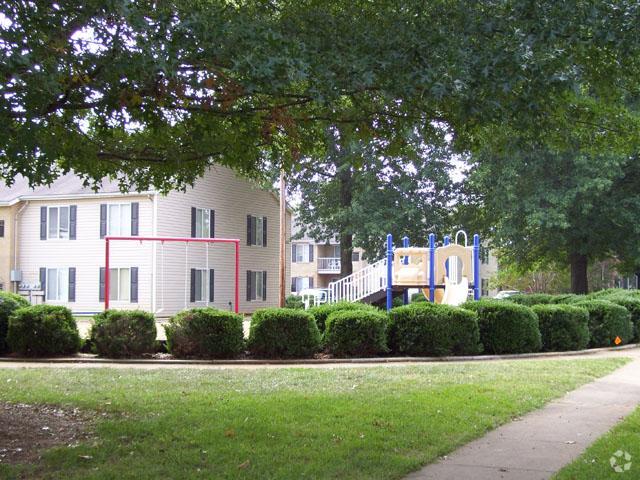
328 265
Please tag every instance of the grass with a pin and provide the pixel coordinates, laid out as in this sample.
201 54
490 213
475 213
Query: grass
594 462
347 423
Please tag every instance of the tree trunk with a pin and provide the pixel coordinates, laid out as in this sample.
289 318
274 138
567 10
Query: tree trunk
579 263
346 248
345 179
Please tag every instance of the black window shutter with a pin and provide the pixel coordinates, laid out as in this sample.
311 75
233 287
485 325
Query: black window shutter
43 223
264 231
43 279
264 285
311 252
73 220
212 277
193 285
212 223
248 229
101 285
193 222
293 253
133 276
293 284
248 285
103 220
72 284
135 219
254 221
310 282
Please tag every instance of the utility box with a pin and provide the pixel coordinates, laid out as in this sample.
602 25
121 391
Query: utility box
16 275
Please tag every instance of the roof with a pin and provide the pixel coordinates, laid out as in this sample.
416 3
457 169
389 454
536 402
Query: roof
68 185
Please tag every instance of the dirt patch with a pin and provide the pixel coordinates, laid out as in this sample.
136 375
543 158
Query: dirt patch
28 430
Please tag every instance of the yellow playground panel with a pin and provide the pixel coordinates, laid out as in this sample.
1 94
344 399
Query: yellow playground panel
411 266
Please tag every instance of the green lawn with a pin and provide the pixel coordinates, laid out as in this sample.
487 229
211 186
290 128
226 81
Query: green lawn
594 463
378 422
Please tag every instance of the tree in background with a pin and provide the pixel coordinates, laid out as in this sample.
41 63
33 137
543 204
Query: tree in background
152 93
545 207
537 278
363 190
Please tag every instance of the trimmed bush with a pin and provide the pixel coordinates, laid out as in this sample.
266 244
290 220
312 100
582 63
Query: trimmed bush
9 303
604 294
567 299
632 304
562 327
205 333
123 333
530 299
506 327
43 330
283 333
425 329
294 301
418 298
321 312
359 333
607 321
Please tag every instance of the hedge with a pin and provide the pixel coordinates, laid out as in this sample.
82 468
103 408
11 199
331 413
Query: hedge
530 299
205 333
418 298
283 333
607 321
123 333
506 327
359 333
563 327
9 303
425 329
321 312
43 330
632 304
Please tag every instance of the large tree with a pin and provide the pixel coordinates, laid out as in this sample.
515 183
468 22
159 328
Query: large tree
363 190
570 207
153 92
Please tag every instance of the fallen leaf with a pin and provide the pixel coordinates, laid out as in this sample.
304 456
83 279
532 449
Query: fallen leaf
244 464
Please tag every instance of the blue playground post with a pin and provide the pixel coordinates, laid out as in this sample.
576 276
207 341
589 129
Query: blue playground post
447 241
389 272
476 267
405 295
432 267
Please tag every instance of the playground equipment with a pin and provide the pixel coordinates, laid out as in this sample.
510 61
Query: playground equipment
445 274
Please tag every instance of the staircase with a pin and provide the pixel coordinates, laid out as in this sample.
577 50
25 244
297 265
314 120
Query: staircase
367 285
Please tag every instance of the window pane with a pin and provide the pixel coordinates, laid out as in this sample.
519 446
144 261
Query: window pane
123 293
198 286
52 284
258 230
53 222
113 284
63 284
205 224
125 220
114 220
64 222
258 284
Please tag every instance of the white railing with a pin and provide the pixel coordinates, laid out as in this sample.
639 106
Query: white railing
328 264
360 284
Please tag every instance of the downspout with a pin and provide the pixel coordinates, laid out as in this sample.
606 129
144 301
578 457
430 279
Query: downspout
15 241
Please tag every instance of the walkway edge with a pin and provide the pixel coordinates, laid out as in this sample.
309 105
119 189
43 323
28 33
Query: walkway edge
328 361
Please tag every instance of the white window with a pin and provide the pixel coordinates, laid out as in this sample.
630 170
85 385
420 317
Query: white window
258 278
302 253
300 284
203 222
119 284
200 286
259 231
58 221
57 284
335 251
355 256
119 219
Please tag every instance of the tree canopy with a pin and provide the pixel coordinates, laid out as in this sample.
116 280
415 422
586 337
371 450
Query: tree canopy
153 92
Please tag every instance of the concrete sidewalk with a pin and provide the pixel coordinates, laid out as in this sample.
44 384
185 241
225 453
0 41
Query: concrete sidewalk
542 442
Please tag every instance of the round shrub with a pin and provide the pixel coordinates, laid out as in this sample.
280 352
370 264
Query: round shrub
322 312
359 333
562 327
9 303
530 299
506 327
123 333
567 298
43 330
607 321
424 329
418 298
632 304
205 333
283 333
294 301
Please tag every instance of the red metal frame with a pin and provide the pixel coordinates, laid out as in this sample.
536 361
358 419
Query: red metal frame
235 241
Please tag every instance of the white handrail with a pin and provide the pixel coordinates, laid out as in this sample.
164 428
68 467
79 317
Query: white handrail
360 284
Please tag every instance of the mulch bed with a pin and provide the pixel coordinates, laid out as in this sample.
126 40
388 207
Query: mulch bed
26 431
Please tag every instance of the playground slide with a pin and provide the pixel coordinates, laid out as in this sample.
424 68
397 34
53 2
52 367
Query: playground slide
455 293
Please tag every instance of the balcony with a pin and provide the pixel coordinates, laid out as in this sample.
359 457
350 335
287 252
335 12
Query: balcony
328 265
